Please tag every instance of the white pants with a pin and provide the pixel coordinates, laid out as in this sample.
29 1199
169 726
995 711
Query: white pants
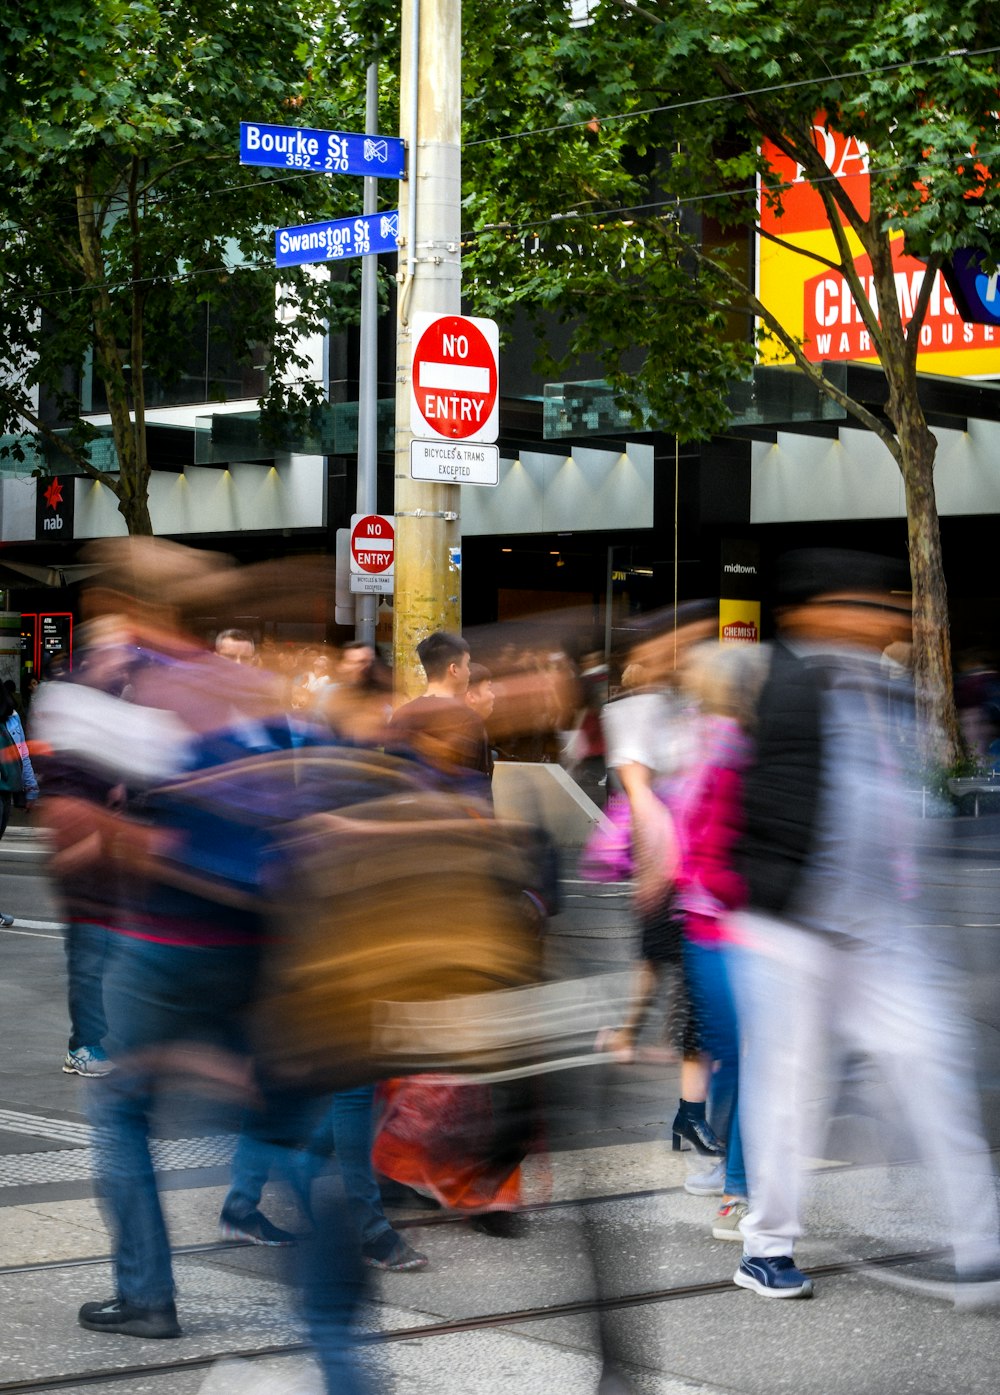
891 1001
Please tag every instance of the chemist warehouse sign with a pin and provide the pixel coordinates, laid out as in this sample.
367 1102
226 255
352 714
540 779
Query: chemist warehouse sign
816 304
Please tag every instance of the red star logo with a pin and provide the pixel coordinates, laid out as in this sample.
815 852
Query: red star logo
54 495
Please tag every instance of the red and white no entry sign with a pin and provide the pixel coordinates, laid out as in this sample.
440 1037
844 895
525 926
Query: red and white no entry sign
372 544
454 382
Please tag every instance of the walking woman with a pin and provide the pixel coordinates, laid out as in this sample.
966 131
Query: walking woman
17 779
651 744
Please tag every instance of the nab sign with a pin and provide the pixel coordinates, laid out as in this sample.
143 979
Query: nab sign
454 384
373 553
54 508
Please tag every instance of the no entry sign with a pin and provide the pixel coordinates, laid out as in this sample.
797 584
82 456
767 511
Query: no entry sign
453 387
373 551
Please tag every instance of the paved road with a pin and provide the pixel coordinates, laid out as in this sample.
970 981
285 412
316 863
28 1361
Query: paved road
700 1336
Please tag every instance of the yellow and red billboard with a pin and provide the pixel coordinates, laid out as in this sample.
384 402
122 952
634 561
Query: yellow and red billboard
814 303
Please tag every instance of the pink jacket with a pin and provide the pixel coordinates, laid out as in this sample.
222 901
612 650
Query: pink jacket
710 823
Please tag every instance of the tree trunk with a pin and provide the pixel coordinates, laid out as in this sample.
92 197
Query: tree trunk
132 486
941 740
134 508
931 627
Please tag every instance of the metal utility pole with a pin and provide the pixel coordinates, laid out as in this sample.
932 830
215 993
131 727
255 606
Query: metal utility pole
428 582
365 605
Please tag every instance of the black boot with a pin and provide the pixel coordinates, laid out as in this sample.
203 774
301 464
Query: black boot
691 1126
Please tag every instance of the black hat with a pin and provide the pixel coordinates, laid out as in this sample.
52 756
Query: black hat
822 571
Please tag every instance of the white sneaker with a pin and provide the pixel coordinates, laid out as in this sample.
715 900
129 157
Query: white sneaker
727 1222
88 1061
711 1183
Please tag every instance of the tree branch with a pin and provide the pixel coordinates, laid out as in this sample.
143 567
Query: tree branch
163 171
799 251
66 447
934 264
799 147
849 268
631 9
812 372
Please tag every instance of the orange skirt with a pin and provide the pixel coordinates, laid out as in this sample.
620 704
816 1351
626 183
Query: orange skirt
441 1140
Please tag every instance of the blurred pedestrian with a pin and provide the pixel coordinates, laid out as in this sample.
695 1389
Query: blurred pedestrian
10 687
439 727
724 681
17 777
190 932
833 953
585 753
480 697
88 888
651 740
356 705
236 645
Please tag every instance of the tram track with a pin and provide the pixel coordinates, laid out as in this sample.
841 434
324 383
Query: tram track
447 1328
430 1219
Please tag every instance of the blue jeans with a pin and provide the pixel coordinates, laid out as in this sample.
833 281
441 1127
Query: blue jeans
350 1118
87 949
154 995
711 992
163 994
327 1260
345 1128
332 1280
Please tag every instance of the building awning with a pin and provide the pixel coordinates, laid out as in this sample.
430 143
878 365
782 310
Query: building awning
773 399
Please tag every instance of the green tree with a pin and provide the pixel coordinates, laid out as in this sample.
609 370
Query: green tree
591 152
703 81
544 178
123 210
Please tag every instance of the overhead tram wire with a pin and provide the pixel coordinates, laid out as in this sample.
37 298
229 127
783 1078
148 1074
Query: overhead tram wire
947 55
560 219
740 95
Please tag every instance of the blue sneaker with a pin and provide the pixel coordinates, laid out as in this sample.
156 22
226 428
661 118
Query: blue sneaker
774 1277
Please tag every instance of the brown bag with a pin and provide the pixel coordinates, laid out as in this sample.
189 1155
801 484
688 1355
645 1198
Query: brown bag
411 898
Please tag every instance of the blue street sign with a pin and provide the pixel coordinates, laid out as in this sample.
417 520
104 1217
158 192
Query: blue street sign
362 236
329 152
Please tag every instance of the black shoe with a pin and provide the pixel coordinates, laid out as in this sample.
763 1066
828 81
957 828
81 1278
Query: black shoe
699 1133
399 1194
255 1228
502 1224
119 1316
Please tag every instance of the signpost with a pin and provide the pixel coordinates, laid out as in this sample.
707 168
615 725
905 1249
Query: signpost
326 152
372 541
373 553
454 380
363 236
